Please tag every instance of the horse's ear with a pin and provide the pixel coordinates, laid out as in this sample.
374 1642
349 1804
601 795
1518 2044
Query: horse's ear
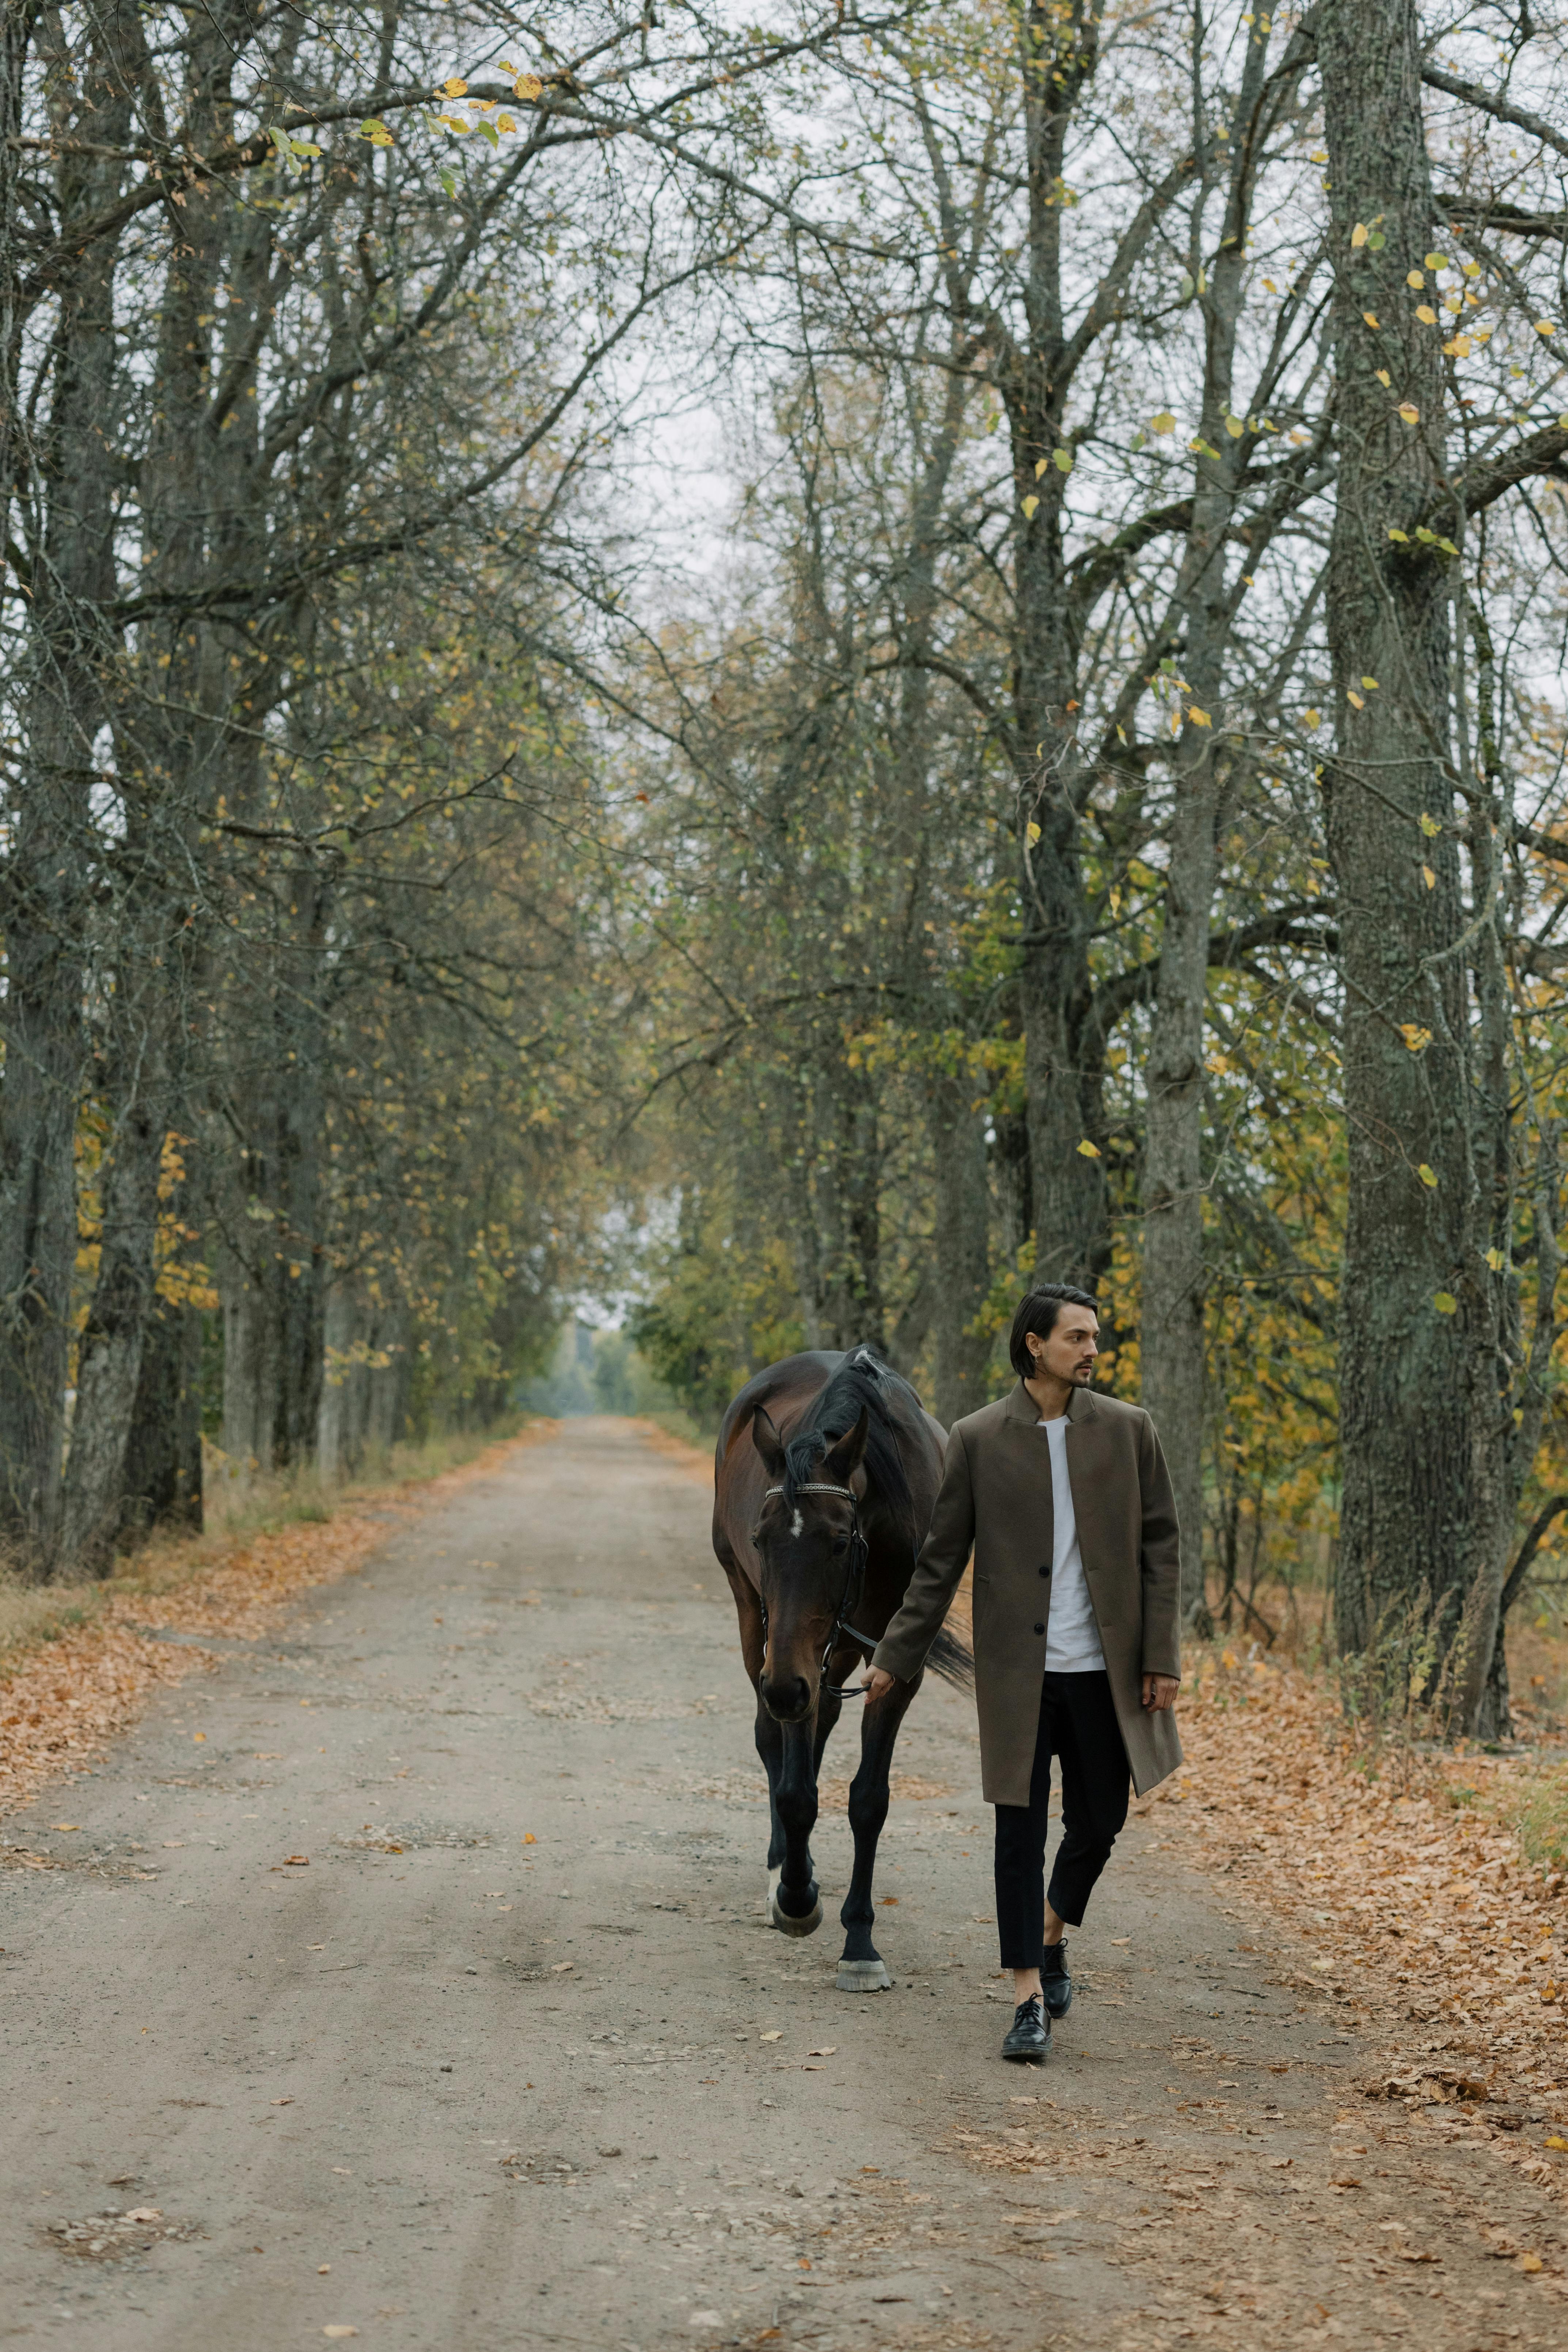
844 1456
765 1438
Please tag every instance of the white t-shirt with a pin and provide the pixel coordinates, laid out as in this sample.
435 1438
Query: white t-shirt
1072 1638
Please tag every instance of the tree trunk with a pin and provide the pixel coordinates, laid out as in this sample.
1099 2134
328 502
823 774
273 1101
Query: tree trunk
163 1481
1406 1341
1174 1282
960 1246
1057 55
109 1359
52 857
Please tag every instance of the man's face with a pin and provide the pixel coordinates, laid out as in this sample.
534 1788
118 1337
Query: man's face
1071 1347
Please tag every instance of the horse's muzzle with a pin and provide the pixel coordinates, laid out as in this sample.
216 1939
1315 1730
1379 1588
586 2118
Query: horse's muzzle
787 1697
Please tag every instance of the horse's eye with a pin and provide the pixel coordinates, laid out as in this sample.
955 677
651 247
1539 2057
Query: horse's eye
840 1543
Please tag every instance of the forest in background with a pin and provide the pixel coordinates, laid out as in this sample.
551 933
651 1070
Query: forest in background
794 670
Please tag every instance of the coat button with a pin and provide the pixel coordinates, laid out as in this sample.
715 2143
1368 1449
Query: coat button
1040 1629
1045 1572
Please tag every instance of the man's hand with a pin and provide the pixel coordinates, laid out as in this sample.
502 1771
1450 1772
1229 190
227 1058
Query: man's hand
877 1683
1160 1691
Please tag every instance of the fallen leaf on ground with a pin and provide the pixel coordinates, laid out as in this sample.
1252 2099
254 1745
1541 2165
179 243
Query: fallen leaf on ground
770 2037
829 2050
284 2103
298 1860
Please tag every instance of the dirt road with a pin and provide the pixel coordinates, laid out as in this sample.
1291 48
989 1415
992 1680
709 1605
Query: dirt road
512 2058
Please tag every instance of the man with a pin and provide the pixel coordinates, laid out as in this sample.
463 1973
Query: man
1065 1498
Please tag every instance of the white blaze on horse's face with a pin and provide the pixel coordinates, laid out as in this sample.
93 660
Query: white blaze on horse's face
797 1523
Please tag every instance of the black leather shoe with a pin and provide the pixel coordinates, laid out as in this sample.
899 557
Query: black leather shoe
1055 1985
1030 2037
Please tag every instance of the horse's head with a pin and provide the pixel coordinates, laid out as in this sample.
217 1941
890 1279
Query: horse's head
806 1540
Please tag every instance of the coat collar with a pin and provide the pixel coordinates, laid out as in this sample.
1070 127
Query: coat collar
1021 1406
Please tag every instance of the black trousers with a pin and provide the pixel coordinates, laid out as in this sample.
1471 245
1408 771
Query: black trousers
1078 1723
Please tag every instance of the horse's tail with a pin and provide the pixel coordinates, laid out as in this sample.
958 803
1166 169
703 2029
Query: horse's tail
950 1656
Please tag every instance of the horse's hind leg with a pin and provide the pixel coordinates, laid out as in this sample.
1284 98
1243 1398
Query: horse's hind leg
861 1968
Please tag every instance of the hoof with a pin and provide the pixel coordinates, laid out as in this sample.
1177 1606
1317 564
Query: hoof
806 1926
863 1976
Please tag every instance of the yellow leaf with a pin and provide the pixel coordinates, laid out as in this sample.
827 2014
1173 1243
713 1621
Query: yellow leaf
1235 426
1425 313
456 88
1402 536
1556 2141
1427 1177
1269 287
1370 318
1354 699
1385 379
1413 277
1370 684
1416 1037
1319 155
1411 413
1199 718
1531 2262
1228 1660
1311 718
1458 347
1428 877
65 1825
528 86
1163 422
1087 1150
1062 459
198 1735
1495 1260
1437 261
1445 1302
1430 826
1031 833
1031 508
1546 326
1359 234
1039 468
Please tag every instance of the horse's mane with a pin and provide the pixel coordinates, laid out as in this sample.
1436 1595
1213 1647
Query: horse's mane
863 1382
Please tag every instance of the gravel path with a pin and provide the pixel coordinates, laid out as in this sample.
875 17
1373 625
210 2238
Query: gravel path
512 2058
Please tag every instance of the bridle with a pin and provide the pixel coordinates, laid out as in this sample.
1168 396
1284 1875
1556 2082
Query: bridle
854 1578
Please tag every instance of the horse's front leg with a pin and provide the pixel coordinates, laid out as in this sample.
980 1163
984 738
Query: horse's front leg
861 1969
796 1905
768 1734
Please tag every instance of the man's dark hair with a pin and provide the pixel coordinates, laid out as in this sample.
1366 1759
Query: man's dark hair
1038 1313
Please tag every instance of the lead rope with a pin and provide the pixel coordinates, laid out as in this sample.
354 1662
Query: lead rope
854 1577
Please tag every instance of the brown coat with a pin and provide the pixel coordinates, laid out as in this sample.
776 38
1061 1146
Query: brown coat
996 1496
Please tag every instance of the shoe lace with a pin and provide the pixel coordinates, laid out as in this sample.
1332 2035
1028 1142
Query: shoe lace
1024 2007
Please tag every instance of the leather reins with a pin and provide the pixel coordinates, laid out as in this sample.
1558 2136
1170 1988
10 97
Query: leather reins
854 1579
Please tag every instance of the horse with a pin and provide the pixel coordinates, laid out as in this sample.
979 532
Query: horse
824 1475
